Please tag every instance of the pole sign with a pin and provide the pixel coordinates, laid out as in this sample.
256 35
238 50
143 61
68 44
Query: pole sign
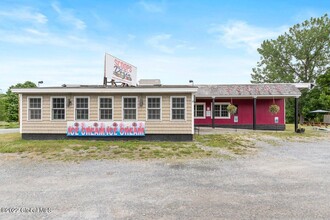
105 129
119 70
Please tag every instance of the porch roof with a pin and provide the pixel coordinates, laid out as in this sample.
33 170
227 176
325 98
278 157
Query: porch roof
248 90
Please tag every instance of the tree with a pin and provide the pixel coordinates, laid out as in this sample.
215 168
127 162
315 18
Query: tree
318 97
300 55
2 107
11 103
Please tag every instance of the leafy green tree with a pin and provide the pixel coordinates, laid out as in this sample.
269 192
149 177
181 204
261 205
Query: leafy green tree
11 104
318 97
300 55
2 107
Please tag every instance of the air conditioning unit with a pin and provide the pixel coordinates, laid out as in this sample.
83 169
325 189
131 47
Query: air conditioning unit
149 82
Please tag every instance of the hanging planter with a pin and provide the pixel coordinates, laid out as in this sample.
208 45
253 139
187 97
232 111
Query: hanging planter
274 109
232 109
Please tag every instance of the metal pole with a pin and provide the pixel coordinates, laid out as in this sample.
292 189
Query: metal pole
295 114
213 110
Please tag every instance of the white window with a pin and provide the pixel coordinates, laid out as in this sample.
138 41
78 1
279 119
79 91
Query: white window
154 105
82 108
178 108
58 108
105 108
199 110
129 108
220 110
34 108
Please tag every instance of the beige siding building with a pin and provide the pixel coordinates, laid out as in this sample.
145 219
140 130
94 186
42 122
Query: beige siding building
162 112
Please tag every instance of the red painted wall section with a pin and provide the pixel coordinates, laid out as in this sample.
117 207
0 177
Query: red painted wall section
245 111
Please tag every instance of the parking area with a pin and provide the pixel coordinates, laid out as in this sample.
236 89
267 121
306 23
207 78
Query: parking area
286 181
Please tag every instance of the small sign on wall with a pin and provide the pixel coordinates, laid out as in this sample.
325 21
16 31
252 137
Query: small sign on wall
276 120
208 113
235 118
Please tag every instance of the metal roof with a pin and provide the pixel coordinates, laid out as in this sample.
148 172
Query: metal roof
248 90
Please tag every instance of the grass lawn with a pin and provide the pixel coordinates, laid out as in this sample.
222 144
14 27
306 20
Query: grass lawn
214 145
4 125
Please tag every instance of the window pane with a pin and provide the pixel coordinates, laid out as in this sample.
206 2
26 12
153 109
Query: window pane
58 102
105 103
129 102
82 103
224 112
35 113
178 114
106 114
58 114
178 103
35 102
154 114
82 113
199 110
130 114
153 102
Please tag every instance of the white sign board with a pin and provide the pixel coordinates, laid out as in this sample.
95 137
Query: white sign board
276 120
235 118
119 70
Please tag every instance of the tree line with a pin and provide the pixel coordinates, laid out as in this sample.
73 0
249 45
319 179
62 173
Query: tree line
9 102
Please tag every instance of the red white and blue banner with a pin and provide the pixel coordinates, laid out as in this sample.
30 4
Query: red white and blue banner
105 129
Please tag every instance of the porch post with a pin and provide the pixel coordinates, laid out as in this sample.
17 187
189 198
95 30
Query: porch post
213 110
295 114
254 113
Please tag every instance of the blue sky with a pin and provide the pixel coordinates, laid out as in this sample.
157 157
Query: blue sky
175 41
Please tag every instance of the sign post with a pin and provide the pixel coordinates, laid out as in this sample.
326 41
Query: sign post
236 121
276 122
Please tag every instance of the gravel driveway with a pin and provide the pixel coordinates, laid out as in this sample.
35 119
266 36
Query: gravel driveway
281 182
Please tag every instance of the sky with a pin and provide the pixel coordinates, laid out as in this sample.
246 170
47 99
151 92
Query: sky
207 41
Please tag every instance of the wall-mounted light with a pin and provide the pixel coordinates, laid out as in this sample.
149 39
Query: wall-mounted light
140 101
69 102
40 82
192 82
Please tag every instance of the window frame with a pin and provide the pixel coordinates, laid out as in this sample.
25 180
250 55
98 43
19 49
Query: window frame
51 108
28 107
99 107
89 107
185 108
136 108
160 108
204 105
220 103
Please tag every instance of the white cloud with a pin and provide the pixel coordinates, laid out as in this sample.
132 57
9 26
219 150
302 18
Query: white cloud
166 44
158 42
151 7
67 16
25 14
239 34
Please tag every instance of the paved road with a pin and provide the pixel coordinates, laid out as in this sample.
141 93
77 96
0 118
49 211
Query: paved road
281 182
9 130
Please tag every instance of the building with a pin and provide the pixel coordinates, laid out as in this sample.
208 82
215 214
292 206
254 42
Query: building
146 112
252 102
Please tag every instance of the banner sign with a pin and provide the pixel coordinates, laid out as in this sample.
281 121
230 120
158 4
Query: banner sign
119 70
105 129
